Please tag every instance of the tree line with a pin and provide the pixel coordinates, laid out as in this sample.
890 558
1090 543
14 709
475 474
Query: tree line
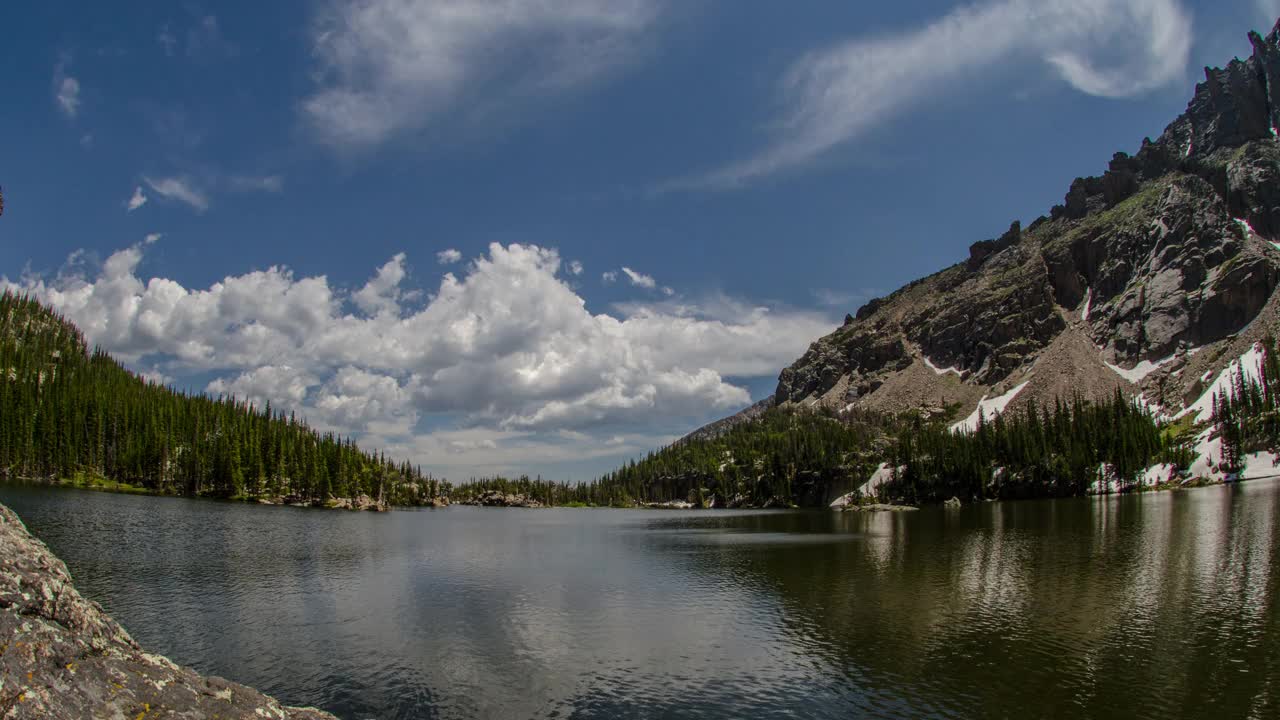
71 413
804 457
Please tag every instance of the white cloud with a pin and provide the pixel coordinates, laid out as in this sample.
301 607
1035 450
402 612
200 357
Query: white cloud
448 257
180 189
575 268
609 277
832 96
152 238
281 385
382 293
138 200
639 279
390 66
68 93
509 352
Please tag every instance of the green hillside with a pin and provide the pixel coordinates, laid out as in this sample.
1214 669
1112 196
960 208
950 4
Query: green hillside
69 414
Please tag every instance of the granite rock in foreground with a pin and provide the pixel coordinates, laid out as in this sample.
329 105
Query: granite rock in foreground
62 656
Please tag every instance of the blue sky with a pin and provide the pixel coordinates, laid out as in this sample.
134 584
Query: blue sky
728 179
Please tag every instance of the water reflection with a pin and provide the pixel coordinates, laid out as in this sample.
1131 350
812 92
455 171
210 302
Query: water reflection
1159 605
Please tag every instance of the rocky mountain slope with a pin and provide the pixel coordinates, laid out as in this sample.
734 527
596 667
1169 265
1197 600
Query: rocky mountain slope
1150 278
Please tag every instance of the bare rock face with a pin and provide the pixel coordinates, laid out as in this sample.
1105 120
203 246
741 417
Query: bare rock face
61 656
1168 250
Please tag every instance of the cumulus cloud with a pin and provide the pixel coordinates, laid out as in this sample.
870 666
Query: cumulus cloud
280 385
138 200
389 66
640 279
834 95
575 268
382 293
448 257
181 189
508 353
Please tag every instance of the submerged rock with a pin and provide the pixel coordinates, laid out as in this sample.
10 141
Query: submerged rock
62 656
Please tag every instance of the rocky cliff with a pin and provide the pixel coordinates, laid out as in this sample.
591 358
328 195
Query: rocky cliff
61 656
1149 278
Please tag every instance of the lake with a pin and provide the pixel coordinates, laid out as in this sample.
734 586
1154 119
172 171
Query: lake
1162 605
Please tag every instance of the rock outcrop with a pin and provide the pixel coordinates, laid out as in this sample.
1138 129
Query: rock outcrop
495 498
1169 254
61 656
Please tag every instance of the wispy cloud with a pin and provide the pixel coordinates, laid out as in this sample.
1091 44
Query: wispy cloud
181 189
388 66
448 257
575 267
640 279
609 277
138 200
832 96
66 90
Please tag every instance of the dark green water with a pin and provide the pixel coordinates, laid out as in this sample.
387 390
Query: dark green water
1161 606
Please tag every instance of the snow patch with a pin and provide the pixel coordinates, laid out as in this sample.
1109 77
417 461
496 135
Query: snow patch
1088 303
1156 474
1260 465
882 475
1208 454
937 370
1155 410
988 408
1139 372
1248 366
1248 229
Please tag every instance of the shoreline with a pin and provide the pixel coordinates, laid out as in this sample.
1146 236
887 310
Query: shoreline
62 656
1135 489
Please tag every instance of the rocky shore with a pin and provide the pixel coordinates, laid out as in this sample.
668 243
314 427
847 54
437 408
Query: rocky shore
62 656
494 498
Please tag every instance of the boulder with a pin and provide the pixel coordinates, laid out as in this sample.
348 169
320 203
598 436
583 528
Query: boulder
62 656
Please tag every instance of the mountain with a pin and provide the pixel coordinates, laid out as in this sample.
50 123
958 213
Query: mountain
1149 279
73 415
